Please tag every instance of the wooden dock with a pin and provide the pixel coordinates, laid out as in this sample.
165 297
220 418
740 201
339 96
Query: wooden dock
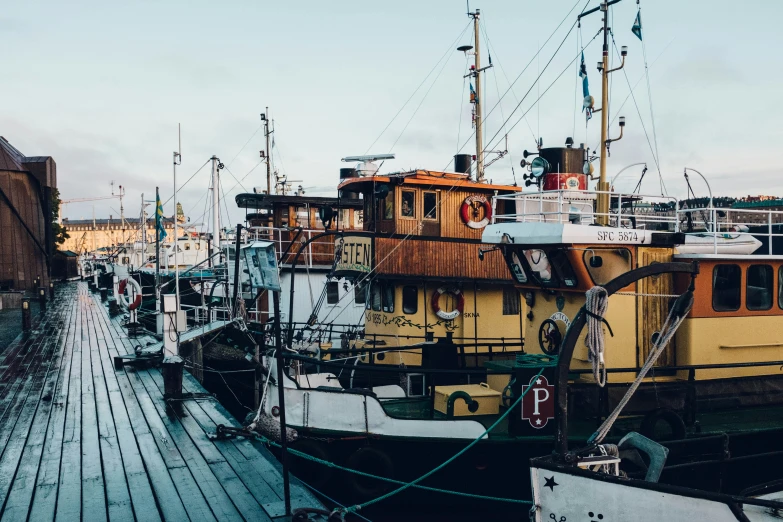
80 440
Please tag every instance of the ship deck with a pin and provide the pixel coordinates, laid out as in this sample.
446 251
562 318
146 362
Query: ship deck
81 440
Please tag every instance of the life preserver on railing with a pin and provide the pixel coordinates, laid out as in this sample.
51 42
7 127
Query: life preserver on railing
448 316
135 293
467 209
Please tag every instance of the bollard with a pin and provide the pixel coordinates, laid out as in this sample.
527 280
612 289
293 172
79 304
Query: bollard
27 320
42 299
172 377
104 294
51 290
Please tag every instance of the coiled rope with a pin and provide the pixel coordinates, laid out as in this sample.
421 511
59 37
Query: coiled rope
596 303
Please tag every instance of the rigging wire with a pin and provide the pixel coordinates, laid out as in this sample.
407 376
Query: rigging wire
461 100
448 50
188 181
235 179
649 97
245 145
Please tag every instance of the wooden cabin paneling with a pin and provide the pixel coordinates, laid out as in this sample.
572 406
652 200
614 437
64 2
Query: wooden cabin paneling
447 259
451 222
652 305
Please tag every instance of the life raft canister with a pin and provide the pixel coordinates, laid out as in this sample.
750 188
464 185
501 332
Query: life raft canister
453 314
135 291
467 209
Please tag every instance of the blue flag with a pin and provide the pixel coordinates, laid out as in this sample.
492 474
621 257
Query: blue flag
637 25
159 219
585 88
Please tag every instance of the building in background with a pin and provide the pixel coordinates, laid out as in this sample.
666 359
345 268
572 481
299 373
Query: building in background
87 235
26 243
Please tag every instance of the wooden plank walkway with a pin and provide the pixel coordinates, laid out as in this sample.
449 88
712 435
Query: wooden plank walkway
80 440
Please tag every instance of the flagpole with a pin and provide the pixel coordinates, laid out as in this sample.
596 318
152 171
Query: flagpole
157 249
177 161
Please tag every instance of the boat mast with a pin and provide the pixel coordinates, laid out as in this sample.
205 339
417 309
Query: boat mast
143 223
177 161
157 249
477 74
215 206
265 118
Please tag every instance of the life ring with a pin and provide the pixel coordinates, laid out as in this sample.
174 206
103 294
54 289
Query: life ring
448 316
135 293
315 473
374 462
467 206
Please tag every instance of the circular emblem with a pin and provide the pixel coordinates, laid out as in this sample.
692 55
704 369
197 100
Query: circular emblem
572 183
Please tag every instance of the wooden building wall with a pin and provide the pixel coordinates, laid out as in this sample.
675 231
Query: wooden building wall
22 241
446 259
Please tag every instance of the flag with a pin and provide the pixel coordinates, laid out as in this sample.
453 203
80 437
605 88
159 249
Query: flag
159 219
472 94
637 25
585 88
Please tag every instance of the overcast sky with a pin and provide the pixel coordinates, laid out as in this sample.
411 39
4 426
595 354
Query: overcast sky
101 87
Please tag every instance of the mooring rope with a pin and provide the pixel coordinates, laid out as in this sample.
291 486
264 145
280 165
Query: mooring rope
596 303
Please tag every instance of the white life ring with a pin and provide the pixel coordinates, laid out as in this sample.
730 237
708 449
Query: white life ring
448 316
467 205
134 294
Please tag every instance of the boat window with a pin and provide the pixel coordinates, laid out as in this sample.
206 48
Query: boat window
510 301
388 297
539 264
388 206
198 246
515 265
187 246
726 280
332 292
360 293
410 299
430 205
758 289
603 265
375 297
563 267
408 203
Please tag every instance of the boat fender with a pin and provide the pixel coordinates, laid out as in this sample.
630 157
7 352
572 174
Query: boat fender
473 405
317 474
372 461
453 314
467 207
668 417
655 452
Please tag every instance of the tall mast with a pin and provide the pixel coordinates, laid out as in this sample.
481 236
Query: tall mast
479 123
157 250
265 117
177 161
143 223
215 206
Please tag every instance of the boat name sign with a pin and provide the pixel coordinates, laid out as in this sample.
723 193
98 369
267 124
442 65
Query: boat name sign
354 254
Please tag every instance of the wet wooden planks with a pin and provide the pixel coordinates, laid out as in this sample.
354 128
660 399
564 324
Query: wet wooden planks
81 440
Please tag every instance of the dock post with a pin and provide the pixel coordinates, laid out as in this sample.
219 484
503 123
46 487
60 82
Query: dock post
42 299
172 377
104 294
27 320
281 402
51 290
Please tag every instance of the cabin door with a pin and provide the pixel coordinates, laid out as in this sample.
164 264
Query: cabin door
652 306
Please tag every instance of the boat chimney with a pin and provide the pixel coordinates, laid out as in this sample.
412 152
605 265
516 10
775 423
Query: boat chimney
462 163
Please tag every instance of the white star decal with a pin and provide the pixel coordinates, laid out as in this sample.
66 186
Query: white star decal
538 381
538 421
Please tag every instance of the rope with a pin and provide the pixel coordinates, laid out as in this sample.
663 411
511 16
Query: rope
673 321
596 303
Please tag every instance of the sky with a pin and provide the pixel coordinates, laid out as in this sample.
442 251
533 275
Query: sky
102 87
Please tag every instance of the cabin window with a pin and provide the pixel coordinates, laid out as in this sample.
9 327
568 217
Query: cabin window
332 292
430 205
198 246
517 270
388 206
726 280
563 267
375 297
410 299
388 297
758 289
360 293
510 301
603 265
408 204
539 264
187 246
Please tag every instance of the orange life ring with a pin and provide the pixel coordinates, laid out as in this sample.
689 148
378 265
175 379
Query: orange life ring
122 286
448 316
467 205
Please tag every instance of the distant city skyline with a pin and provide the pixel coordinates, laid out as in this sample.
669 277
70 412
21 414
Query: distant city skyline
102 87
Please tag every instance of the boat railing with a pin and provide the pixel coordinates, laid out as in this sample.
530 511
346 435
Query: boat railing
727 223
318 253
639 211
